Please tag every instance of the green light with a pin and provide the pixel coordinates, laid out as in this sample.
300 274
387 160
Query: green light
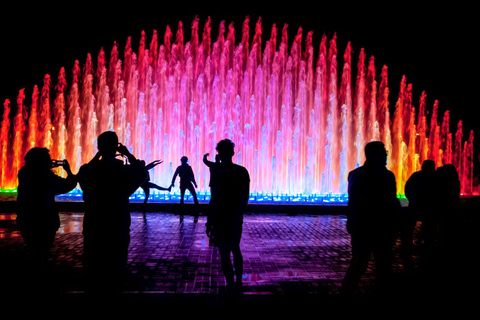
8 190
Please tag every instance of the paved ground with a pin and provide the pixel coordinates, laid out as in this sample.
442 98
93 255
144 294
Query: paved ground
290 261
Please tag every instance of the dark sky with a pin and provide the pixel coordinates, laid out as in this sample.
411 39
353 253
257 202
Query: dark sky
434 46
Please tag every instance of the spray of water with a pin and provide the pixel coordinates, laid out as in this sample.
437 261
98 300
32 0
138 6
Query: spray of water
298 125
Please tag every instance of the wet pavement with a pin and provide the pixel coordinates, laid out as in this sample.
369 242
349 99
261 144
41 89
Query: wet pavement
289 260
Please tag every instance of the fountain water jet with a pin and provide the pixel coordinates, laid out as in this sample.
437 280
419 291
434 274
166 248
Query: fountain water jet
298 126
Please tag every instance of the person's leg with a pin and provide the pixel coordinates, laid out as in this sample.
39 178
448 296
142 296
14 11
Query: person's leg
156 186
383 267
182 194
407 244
238 264
194 194
146 190
195 200
383 259
39 242
358 264
226 263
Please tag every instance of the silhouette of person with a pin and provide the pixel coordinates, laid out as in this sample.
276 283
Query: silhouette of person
147 185
447 203
187 181
230 191
212 166
107 184
420 190
372 207
448 192
37 215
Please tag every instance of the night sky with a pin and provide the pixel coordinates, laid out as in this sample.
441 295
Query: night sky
434 46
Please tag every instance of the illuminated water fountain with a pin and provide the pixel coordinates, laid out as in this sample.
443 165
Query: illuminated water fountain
299 122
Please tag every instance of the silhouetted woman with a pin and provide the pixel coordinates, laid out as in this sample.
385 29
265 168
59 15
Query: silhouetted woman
147 185
37 216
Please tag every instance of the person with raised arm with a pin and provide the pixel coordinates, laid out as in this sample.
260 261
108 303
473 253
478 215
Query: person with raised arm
230 190
37 216
147 185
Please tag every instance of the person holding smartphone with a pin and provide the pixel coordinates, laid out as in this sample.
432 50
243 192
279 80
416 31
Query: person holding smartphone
107 183
37 216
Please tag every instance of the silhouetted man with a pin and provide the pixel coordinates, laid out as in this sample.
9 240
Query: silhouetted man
211 164
107 183
437 231
372 206
147 185
187 181
230 189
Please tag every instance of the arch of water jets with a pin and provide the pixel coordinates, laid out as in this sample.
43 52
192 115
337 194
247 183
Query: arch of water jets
298 119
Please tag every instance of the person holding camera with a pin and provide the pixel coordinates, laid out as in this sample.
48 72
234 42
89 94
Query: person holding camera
107 183
37 216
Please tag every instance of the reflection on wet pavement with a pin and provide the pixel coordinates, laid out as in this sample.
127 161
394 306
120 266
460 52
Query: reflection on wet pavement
167 255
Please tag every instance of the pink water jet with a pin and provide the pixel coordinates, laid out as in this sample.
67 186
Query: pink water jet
299 126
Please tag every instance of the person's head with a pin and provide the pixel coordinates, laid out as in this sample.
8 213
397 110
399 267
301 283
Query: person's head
225 149
107 144
428 166
38 158
184 160
376 154
449 172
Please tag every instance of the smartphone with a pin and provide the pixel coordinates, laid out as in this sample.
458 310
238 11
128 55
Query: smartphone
57 163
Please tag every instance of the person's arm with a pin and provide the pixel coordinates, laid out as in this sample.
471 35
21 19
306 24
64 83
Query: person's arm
350 190
124 152
393 193
352 202
174 177
245 190
410 189
193 177
64 185
153 164
207 162
137 170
